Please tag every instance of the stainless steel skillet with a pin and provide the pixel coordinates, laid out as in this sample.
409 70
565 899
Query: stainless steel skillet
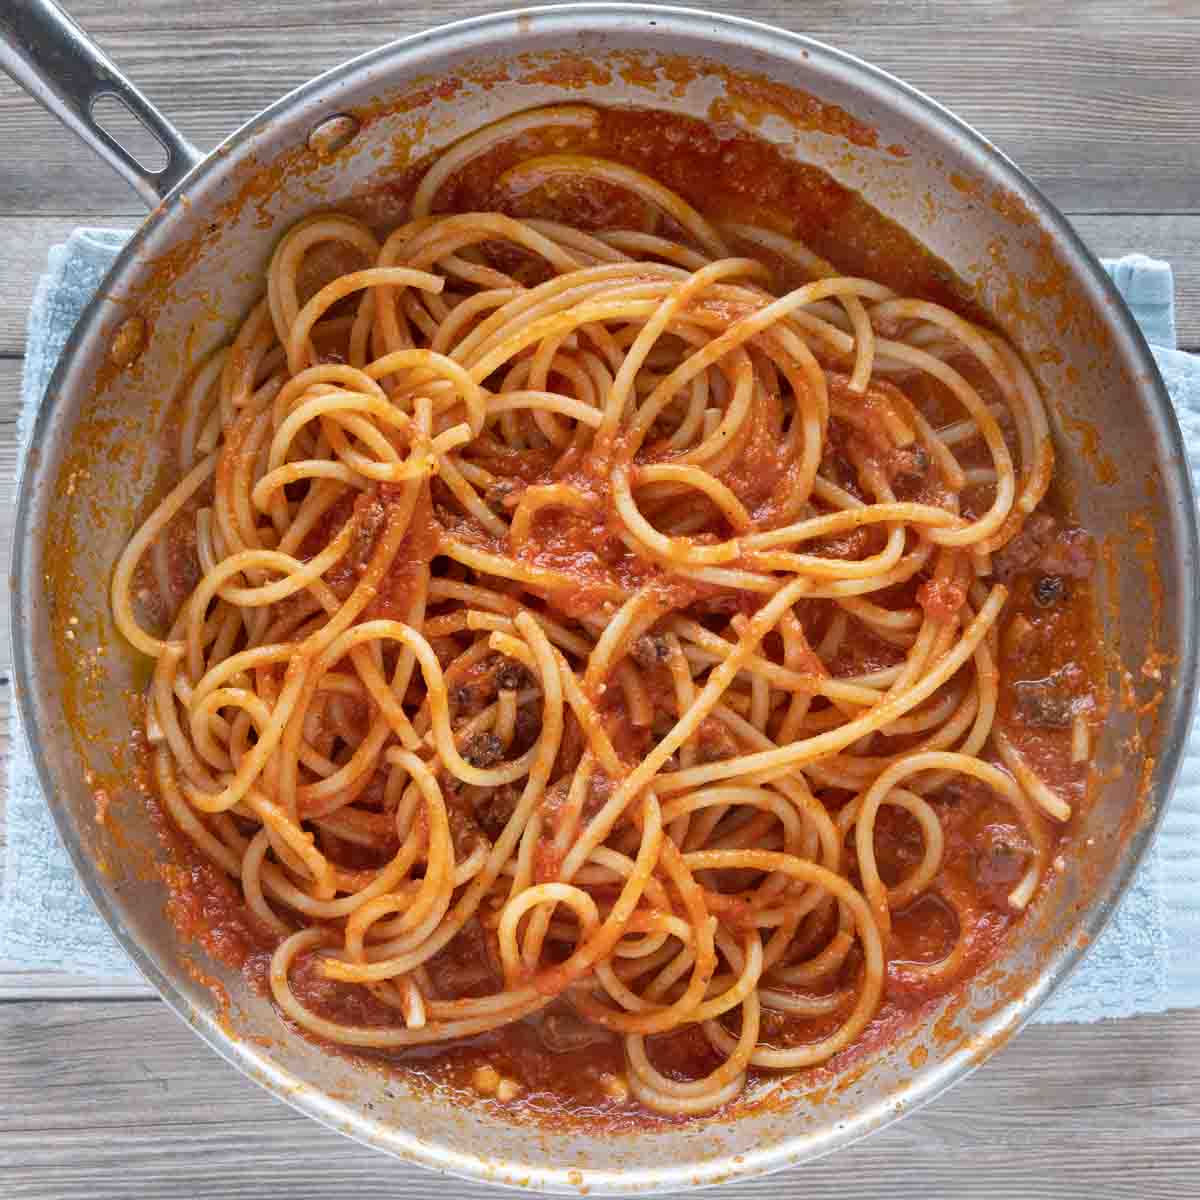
191 272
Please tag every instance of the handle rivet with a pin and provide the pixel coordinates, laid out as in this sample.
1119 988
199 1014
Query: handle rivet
333 134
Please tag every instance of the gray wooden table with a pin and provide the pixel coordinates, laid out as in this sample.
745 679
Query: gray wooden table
103 1093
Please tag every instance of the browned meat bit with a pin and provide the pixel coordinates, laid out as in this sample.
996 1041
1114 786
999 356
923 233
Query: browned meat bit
857 544
662 724
551 805
562 1030
964 790
1045 546
526 728
468 966
1049 590
495 809
446 649
1000 852
716 743
462 696
549 851
465 831
649 650
1072 553
721 603
372 513
512 676
999 863
600 788
501 496
1049 703
1022 551
483 750
909 466
447 518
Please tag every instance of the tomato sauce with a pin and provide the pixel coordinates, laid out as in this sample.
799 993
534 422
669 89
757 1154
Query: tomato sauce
564 1072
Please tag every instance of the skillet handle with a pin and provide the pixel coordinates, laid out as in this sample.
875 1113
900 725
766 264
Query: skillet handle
63 69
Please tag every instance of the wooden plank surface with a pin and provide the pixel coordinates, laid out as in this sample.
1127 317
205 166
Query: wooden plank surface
103 16
1076 123
117 1100
104 1094
25 242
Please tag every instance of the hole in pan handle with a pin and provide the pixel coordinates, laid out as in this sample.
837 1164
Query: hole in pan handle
50 56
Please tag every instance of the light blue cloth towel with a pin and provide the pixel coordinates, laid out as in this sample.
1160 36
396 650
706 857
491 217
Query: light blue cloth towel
1145 962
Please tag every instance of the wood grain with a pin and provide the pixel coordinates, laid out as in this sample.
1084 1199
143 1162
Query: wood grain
16 983
115 1100
103 16
26 242
1173 237
10 394
104 1094
6 734
1078 126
